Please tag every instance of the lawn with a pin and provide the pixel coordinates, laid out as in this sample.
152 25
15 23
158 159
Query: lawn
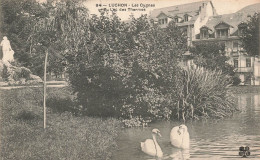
66 136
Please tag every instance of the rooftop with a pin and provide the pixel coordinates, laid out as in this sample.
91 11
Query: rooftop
233 19
191 9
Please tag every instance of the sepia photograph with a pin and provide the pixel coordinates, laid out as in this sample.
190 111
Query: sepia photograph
129 79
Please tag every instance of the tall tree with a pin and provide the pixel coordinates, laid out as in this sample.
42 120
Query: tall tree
26 25
19 18
129 63
250 37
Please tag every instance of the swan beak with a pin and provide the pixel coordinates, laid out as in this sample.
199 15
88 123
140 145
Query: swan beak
160 134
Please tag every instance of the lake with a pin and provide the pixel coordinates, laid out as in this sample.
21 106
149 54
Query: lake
208 139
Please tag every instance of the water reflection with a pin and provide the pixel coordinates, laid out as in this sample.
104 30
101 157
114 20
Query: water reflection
178 154
208 139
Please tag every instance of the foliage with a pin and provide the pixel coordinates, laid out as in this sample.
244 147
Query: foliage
143 80
212 56
200 93
236 80
126 68
135 122
23 25
250 36
21 72
19 17
18 75
60 100
5 73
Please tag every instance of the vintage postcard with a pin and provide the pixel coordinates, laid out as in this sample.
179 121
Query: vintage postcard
129 79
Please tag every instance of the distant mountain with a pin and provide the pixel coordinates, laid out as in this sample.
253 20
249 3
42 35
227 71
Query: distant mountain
250 9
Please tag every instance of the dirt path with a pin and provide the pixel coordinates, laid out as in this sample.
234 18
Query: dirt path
50 84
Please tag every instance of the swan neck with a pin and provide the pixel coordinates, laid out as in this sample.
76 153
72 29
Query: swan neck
155 143
154 139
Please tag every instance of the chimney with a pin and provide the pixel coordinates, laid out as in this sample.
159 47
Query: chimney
199 11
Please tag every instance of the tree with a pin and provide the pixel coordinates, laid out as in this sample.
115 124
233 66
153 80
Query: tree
250 37
212 56
122 67
24 24
18 22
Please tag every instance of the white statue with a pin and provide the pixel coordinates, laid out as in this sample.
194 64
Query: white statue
8 53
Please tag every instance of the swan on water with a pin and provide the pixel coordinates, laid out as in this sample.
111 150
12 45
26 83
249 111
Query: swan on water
180 137
151 146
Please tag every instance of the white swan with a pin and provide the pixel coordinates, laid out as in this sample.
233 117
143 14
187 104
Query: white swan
151 146
180 137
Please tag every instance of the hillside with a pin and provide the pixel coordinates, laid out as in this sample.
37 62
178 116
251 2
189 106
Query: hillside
251 8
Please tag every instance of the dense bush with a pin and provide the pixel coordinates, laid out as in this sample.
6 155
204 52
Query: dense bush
121 69
20 72
136 93
99 91
201 93
185 93
60 105
16 75
4 72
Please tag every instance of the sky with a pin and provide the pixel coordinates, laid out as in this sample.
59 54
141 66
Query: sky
222 6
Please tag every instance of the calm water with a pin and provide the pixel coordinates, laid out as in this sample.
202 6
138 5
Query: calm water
209 140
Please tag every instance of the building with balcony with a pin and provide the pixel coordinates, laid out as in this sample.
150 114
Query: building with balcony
191 16
228 29
203 24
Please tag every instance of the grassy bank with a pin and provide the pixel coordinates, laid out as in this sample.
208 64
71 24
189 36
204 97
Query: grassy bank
66 136
244 89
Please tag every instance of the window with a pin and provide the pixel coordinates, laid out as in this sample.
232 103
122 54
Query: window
236 63
163 21
204 34
222 33
248 62
235 46
186 18
176 19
